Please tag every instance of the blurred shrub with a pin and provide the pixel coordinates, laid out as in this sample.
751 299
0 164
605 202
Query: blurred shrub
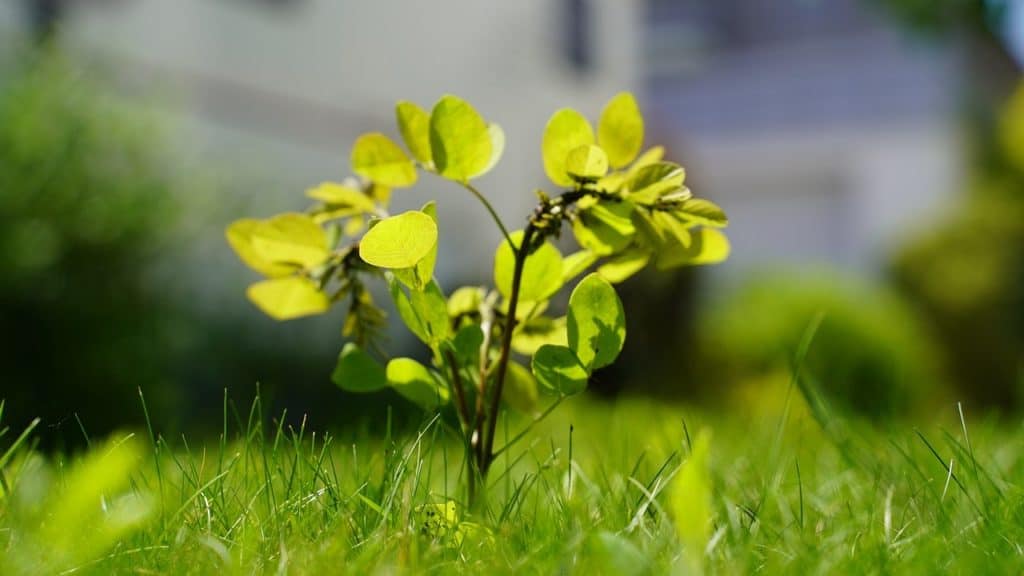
86 204
870 353
967 273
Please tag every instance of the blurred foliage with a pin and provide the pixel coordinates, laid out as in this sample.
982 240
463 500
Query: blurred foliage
967 273
870 353
942 16
86 205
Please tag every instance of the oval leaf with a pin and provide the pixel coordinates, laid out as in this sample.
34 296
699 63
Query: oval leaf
530 335
700 211
622 266
413 381
356 371
377 158
621 129
586 163
291 239
339 195
542 272
559 370
422 273
288 298
707 246
240 236
414 124
399 241
460 140
566 130
596 323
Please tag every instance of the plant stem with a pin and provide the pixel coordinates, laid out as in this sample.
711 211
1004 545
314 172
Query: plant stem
494 214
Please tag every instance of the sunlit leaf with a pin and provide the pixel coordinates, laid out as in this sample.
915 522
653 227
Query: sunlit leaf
542 272
339 195
460 140
586 163
406 312
290 239
399 241
239 235
431 307
288 298
356 371
530 335
565 131
576 263
690 501
415 382
465 300
700 211
622 266
707 246
497 147
653 181
605 228
596 323
423 272
620 131
520 391
414 124
377 158
559 370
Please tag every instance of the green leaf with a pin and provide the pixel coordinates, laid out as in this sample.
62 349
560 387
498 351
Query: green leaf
707 246
290 239
614 181
431 308
653 181
288 298
399 241
559 370
465 300
339 195
605 228
586 163
576 263
356 371
596 323
700 211
530 335
419 275
623 266
690 501
620 132
413 381
406 312
520 391
240 236
377 158
460 140
414 124
566 130
466 344
542 272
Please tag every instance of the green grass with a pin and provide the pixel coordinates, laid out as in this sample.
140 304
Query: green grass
788 497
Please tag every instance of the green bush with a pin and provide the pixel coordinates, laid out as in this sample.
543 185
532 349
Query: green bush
86 203
870 353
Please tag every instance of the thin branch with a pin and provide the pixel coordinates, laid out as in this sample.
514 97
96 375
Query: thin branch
494 214
460 392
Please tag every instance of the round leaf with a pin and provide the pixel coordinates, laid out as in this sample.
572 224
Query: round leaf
414 124
413 381
291 239
558 369
566 130
288 298
240 237
596 323
460 140
356 371
586 163
399 241
542 272
620 131
377 158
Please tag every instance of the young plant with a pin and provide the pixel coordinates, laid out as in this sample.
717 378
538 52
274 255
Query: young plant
625 209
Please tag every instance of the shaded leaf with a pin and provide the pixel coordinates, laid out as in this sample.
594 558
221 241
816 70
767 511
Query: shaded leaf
415 382
356 371
520 391
414 124
596 323
559 370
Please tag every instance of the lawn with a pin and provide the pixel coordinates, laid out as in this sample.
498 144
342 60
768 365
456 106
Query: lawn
584 492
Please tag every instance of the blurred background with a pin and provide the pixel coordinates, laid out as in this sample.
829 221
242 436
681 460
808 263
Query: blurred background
869 153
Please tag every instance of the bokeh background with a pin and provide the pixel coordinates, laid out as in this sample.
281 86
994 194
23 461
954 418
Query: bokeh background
870 154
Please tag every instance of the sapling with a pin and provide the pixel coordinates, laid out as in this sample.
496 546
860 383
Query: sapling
625 209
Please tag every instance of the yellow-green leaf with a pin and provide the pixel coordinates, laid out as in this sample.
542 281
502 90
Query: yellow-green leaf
653 181
596 323
576 263
542 272
377 158
239 235
288 298
422 273
707 246
622 266
497 147
559 370
620 131
413 381
566 130
700 211
520 391
356 371
460 140
586 163
291 239
399 241
530 335
339 195
605 228
414 124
